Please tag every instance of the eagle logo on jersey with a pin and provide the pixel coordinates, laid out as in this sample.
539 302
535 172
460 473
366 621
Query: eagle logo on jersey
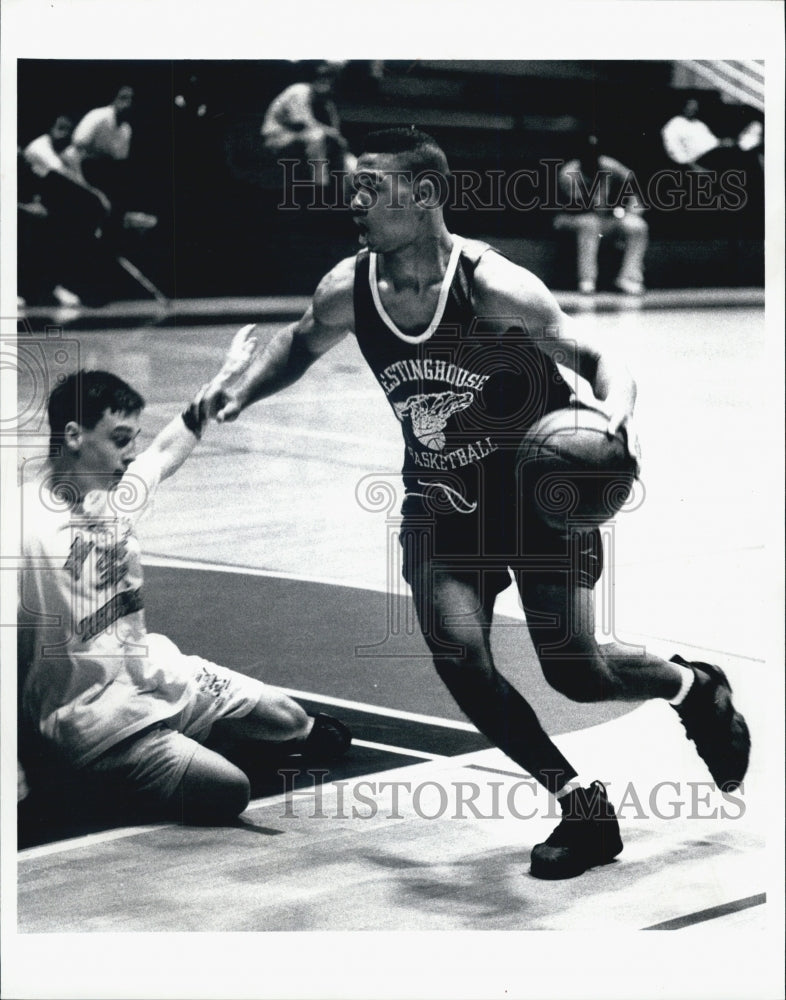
430 413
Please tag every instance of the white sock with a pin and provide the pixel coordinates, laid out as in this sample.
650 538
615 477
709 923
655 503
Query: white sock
686 682
571 786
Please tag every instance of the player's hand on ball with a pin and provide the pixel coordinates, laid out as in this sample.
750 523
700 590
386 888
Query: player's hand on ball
623 424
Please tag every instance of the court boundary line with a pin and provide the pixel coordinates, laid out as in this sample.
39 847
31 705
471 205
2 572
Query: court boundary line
87 840
278 309
463 760
390 713
711 913
122 833
125 832
386 747
178 562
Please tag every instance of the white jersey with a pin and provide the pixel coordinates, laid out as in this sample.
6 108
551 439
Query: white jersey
100 134
43 157
92 674
686 140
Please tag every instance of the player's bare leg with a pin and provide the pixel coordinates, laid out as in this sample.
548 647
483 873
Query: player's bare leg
562 624
561 621
456 625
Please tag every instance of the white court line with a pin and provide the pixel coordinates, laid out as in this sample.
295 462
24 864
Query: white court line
122 833
75 843
400 750
506 605
391 713
460 760
90 839
175 562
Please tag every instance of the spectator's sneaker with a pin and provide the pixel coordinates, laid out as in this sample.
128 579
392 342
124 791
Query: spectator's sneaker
139 221
711 721
628 287
328 740
588 835
65 298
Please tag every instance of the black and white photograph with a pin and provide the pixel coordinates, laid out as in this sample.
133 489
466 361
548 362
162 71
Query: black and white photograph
392 527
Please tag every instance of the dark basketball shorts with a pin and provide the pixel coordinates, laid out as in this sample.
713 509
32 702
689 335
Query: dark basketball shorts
481 547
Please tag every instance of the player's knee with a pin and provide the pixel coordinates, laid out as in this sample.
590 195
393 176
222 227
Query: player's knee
232 796
211 791
634 224
587 223
467 662
576 671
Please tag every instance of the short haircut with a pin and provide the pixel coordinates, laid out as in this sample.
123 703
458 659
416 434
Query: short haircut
419 152
84 397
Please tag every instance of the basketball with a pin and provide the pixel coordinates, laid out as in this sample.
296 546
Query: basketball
570 469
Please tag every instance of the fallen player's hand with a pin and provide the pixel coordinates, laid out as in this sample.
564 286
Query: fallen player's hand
220 399
227 406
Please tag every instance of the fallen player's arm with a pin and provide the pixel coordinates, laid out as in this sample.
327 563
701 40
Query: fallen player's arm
172 446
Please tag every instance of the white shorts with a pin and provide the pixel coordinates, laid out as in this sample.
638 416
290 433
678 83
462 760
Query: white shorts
221 694
153 761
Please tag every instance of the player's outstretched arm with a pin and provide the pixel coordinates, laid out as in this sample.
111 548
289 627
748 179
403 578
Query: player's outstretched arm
505 290
172 446
292 351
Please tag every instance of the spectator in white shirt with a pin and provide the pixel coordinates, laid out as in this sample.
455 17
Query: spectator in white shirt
61 218
687 139
104 133
45 155
303 122
99 152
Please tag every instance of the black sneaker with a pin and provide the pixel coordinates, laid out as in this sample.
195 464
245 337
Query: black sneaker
328 740
588 835
711 721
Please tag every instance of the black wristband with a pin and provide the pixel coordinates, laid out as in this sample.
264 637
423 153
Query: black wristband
192 420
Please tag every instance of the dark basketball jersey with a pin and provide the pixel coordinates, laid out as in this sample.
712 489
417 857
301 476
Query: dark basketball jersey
462 391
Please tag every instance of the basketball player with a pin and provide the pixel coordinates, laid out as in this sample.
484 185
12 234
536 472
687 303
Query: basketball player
463 343
98 693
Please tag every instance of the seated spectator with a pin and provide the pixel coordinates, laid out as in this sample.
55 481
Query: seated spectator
303 123
61 218
102 699
750 141
45 156
689 141
593 189
99 153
